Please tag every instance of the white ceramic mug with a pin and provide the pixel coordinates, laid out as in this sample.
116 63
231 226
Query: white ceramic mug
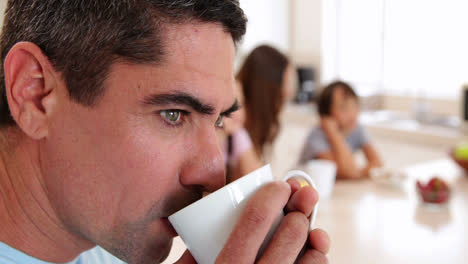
205 225
323 173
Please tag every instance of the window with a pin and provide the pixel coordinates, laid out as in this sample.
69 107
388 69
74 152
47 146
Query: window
268 24
397 47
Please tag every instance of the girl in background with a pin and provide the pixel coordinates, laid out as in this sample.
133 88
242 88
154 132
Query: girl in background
265 83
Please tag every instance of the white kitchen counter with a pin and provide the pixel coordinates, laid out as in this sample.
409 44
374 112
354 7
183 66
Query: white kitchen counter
371 223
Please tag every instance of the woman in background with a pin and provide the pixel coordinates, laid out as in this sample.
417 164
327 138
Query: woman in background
339 134
265 83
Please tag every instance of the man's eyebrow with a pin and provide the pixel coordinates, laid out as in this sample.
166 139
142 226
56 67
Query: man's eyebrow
234 107
180 98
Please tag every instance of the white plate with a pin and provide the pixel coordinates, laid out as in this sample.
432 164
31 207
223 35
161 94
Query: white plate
388 177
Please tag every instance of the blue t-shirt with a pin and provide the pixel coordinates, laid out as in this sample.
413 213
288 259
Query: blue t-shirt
317 143
97 255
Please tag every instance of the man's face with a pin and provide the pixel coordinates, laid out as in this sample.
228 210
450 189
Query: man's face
345 110
115 171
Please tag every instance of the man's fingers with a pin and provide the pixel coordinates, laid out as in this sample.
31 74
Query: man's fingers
257 218
303 200
255 221
313 257
295 185
288 240
319 241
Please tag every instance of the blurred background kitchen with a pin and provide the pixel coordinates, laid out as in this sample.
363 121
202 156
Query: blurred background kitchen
408 62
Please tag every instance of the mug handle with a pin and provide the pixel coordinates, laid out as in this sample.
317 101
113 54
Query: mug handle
304 180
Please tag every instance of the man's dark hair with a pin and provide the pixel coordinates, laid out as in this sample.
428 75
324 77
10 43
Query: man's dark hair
82 38
325 99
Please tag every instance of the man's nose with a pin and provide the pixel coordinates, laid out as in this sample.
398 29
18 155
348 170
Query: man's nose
205 169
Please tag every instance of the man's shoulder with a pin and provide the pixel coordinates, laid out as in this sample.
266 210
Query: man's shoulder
97 255
10 255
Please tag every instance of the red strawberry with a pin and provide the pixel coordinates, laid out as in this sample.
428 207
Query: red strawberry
435 191
437 184
442 196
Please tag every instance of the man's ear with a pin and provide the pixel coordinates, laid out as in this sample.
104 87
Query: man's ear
30 83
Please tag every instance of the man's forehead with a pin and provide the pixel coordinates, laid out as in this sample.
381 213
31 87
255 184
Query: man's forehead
193 31
201 47
200 62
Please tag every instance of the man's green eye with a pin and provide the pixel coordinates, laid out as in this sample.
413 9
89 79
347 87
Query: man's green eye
172 116
219 122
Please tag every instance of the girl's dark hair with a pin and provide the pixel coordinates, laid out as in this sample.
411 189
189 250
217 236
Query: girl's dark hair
261 77
325 98
82 38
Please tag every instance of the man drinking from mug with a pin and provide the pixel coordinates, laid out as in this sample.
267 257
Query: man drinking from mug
110 113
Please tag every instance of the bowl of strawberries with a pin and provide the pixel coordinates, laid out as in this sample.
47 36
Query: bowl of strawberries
436 191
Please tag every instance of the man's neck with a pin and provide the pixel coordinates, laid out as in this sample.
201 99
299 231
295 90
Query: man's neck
28 221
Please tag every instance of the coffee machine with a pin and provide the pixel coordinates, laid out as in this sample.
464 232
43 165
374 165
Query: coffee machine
306 85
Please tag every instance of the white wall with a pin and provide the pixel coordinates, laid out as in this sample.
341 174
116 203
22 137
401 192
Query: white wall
293 26
306 33
268 24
